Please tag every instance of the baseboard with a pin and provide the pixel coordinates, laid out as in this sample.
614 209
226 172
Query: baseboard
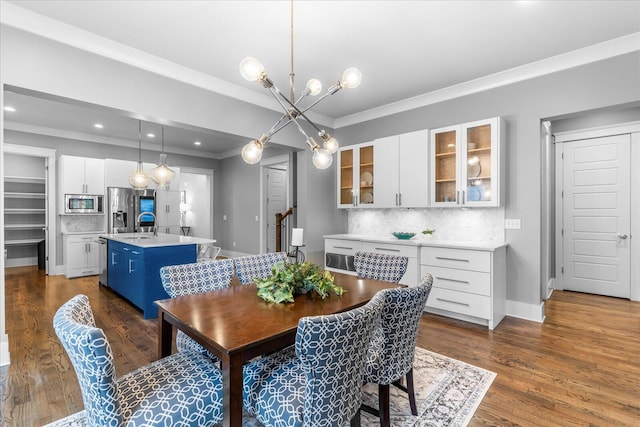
521 310
551 285
4 351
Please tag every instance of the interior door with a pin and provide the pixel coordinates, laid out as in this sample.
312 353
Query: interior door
276 203
597 216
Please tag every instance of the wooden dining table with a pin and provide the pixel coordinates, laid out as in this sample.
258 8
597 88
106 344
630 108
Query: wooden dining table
236 325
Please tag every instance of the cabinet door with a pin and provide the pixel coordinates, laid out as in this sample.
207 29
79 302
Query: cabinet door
76 255
347 169
386 171
480 147
366 179
117 172
168 208
444 166
115 267
71 175
413 169
94 176
93 254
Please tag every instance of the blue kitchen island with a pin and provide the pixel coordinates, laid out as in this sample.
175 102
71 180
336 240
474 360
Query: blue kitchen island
134 262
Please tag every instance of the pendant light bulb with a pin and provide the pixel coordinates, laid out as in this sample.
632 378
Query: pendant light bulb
162 174
251 69
314 87
252 152
322 158
351 78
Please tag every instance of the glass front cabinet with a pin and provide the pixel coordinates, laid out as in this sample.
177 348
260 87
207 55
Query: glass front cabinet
466 164
356 179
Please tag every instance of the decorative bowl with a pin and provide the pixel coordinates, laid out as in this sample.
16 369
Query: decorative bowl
403 235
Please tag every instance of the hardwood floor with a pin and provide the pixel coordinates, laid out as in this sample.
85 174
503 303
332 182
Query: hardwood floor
581 367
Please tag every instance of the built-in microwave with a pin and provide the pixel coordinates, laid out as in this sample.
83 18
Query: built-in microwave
83 204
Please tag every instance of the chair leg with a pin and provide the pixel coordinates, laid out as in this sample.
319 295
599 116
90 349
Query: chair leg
355 421
383 405
411 393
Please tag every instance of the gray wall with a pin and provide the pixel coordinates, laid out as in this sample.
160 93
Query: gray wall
605 83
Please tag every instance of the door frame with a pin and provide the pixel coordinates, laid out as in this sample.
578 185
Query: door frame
211 173
632 128
287 160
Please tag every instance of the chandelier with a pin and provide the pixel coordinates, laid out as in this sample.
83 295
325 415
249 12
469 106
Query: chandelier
251 69
162 174
139 179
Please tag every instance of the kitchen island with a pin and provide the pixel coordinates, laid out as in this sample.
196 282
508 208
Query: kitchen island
134 262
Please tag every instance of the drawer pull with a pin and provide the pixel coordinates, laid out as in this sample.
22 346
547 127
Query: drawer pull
385 249
343 247
452 259
453 302
453 280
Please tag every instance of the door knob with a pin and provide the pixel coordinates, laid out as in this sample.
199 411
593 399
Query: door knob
622 236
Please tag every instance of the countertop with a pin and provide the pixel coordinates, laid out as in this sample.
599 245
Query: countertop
148 240
419 240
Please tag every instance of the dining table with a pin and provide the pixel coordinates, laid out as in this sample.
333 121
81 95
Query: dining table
236 325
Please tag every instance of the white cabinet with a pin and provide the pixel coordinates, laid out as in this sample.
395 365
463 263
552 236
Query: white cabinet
168 211
81 252
402 170
468 284
117 172
410 277
467 163
356 180
80 175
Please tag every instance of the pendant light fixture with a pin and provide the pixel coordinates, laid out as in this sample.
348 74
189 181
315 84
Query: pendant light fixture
139 178
162 174
251 69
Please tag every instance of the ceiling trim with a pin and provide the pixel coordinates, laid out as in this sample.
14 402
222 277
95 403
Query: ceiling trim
608 49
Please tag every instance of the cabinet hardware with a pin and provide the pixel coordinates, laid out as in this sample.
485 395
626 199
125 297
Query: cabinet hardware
135 252
453 302
126 249
458 197
622 236
463 201
452 259
342 247
113 258
130 269
453 280
400 199
88 272
397 199
386 249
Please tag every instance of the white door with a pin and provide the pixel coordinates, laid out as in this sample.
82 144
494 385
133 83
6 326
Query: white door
276 203
596 216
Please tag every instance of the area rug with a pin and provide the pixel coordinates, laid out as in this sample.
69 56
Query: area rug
448 393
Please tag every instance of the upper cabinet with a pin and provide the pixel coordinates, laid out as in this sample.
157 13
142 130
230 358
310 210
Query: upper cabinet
356 181
402 170
80 175
466 164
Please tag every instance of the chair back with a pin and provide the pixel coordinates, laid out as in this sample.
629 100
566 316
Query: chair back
331 350
389 268
393 344
197 277
91 357
257 266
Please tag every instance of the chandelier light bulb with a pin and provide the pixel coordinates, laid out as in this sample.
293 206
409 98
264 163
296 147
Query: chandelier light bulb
322 158
251 69
351 78
252 152
331 145
314 87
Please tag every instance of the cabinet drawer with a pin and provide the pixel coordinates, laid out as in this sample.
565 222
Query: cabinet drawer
456 258
460 302
345 247
390 249
459 280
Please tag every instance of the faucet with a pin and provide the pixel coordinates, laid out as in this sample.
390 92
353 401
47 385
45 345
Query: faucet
155 222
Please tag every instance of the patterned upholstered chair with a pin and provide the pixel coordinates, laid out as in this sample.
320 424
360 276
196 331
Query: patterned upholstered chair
389 268
180 390
392 348
319 382
252 266
195 278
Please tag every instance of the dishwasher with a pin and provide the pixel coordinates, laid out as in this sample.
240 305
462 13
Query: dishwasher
102 264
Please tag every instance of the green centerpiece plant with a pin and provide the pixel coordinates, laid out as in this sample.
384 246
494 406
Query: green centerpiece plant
288 280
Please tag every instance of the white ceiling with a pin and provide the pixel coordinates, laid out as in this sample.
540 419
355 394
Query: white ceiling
403 48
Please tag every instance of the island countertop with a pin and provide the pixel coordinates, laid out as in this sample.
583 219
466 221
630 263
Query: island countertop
148 240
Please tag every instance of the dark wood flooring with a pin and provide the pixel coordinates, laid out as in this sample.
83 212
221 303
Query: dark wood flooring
580 368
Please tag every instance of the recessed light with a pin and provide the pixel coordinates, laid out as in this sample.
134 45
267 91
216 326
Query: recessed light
98 125
197 143
10 109
150 135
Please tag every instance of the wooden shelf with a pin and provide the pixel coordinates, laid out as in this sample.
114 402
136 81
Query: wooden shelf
22 242
25 179
447 154
446 180
23 226
366 164
479 150
24 211
9 195
346 167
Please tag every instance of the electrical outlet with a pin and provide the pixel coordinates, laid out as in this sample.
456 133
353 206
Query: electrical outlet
224 217
234 244
257 219
513 224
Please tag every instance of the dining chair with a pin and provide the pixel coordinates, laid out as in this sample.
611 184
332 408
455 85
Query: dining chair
392 348
179 390
257 266
319 381
389 268
195 278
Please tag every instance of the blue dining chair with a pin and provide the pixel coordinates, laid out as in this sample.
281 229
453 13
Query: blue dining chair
389 268
257 266
195 278
319 382
183 389
392 348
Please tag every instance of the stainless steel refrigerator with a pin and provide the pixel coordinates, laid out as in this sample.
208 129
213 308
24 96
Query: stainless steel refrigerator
125 204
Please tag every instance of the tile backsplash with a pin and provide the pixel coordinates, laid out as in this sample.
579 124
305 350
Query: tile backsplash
469 225
82 223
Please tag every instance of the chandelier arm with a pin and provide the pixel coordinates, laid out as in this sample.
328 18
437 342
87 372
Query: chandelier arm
316 102
277 124
279 128
275 89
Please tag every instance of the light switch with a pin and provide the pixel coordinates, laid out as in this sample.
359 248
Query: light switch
224 217
512 224
257 219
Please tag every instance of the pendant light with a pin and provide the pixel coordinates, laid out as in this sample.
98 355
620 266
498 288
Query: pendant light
139 178
162 174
